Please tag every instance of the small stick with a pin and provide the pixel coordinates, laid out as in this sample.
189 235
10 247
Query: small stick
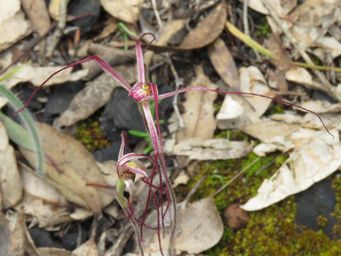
60 28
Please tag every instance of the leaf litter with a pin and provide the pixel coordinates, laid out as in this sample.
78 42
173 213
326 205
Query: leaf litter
76 187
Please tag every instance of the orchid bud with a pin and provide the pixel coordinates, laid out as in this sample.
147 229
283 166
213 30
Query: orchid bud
130 169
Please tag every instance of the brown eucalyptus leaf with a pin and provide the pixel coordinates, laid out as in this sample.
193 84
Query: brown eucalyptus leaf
69 167
168 31
88 248
206 30
10 183
199 118
224 64
95 95
51 251
36 11
126 10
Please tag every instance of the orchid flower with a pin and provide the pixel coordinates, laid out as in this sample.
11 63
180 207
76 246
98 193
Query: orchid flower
128 165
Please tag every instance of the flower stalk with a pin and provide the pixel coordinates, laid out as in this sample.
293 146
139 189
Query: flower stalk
130 167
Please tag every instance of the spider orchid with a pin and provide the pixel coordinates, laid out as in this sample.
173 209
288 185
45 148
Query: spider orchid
128 165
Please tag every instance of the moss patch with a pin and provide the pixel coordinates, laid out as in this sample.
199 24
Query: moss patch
271 231
90 134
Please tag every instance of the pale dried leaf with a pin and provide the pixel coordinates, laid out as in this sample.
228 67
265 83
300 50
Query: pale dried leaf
181 179
36 11
54 8
309 21
199 110
237 111
37 75
13 28
126 10
319 106
302 76
210 149
283 7
308 164
10 183
224 64
69 167
8 9
327 45
192 235
95 95
252 80
207 30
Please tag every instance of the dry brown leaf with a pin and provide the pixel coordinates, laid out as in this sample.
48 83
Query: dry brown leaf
89 248
13 234
315 160
110 27
199 110
168 31
69 167
95 95
36 11
50 251
224 64
13 25
209 149
192 235
41 201
126 10
207 30
10 183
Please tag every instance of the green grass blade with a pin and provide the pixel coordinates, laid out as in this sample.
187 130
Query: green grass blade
29 138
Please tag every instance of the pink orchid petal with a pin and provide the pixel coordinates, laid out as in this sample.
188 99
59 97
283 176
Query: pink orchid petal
137 171
132 156
140 63
151 128
123 144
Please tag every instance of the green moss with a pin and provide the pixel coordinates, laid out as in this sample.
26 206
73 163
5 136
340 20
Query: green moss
89 133
263 29
337 211
271 231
